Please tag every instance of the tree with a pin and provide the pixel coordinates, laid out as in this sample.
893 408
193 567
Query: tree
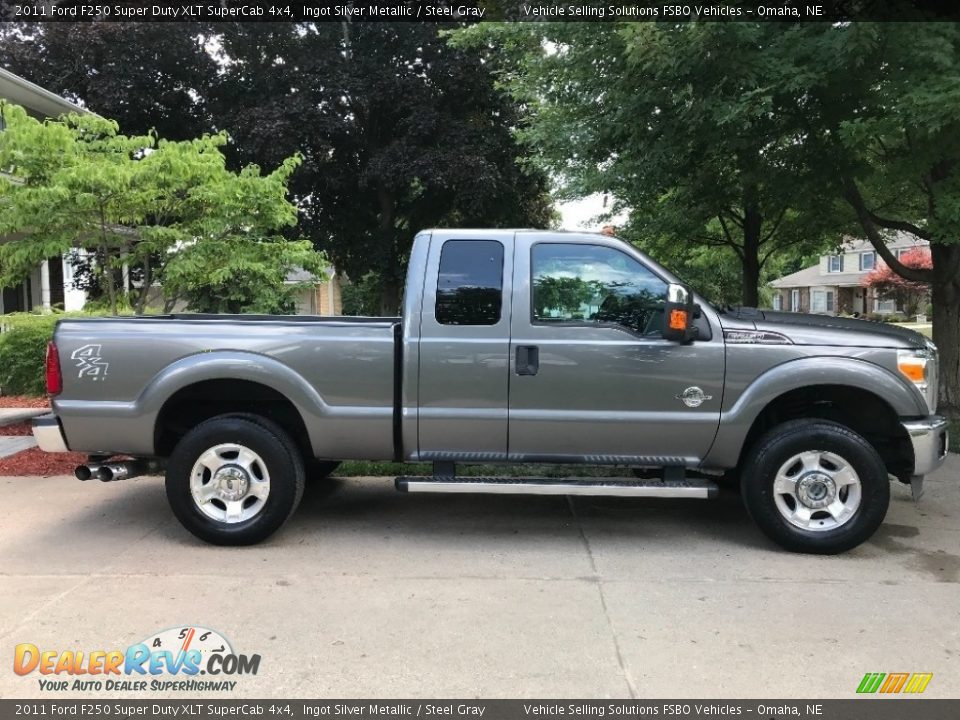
398 131
173 209
880 104
143 75
669 120
888 285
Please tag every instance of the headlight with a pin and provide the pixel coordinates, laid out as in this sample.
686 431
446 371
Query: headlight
920 368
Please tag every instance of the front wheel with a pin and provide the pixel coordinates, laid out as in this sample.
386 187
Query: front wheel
234 480
815 486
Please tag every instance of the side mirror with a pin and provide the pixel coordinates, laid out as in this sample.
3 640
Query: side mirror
678 314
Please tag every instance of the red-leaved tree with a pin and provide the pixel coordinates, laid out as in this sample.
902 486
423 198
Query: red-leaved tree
909 294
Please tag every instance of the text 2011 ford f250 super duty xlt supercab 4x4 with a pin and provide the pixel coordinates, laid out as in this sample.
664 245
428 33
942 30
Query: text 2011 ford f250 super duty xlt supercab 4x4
515 346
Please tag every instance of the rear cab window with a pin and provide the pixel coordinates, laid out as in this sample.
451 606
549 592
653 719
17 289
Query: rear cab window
470 283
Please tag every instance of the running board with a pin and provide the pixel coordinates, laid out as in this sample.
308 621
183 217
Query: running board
621 487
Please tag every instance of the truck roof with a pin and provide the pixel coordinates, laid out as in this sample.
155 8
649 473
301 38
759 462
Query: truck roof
487 232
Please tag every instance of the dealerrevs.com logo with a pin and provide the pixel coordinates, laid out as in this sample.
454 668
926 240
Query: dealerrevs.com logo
188 658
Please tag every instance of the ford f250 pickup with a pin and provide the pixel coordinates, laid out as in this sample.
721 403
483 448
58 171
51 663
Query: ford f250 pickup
515 346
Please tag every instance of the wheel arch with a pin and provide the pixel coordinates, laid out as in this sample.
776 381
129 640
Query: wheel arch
865 412
199 401
862 395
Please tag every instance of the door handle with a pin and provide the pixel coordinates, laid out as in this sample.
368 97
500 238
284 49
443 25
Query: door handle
528 359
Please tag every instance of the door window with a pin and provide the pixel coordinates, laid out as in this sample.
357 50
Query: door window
470 285
593 284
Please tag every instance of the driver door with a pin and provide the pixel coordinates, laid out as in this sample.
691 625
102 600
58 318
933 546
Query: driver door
591 377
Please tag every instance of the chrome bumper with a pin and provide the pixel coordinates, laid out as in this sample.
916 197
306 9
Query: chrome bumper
930 441
48 434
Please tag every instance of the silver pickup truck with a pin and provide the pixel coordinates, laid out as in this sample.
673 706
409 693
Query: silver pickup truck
515 346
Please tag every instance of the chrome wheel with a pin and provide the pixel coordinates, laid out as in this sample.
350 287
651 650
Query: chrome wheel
230 483
817 491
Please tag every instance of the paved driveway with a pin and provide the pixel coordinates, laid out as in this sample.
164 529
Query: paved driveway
368 592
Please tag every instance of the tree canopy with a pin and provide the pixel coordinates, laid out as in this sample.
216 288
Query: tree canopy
673 121
880 108
206 234
397 130
146 76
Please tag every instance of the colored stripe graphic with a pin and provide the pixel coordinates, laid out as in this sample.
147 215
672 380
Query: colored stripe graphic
894 682
870 682
918 682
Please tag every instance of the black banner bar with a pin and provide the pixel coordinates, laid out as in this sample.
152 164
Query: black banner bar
476 11
873 708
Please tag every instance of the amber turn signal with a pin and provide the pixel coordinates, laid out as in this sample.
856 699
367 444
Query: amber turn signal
678 319
914 368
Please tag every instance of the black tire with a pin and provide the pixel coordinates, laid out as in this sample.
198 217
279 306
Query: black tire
321 469
280 456
776 447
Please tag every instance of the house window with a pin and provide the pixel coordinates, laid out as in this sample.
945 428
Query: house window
795 300
470 286
868 260
821 301
778 301
835 264
885 306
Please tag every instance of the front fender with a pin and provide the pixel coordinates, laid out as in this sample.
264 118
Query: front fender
735 423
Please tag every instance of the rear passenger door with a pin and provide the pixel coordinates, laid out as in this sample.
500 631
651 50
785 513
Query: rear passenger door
464 368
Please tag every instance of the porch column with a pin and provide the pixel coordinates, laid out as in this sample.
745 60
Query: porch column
45 284
330 294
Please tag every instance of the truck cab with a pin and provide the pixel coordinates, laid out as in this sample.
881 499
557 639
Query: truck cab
536 346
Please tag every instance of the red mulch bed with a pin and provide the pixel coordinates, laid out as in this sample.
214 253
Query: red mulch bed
20 428
34 461
37 462
23 401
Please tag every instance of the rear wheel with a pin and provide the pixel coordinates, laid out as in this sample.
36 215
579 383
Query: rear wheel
234 480
815 486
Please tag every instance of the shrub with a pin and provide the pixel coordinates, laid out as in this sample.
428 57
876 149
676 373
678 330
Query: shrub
23 350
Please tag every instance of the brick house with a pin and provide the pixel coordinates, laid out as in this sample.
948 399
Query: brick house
834 286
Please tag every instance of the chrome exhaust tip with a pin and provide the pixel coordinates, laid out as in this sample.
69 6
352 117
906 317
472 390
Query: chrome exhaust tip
86 472
109 472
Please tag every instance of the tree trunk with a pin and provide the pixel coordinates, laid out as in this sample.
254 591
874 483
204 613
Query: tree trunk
144 291
390 294
945 294
108 279
750 261
390 275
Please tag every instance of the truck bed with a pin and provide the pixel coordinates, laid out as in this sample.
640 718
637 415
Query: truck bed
118 373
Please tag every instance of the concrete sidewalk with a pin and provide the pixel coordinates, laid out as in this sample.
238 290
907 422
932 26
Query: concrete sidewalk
368 592
14 444
12 416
